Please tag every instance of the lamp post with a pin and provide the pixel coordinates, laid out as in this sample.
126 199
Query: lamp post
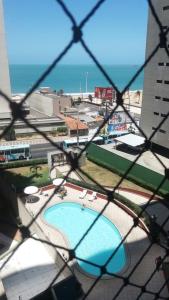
81 90
86 81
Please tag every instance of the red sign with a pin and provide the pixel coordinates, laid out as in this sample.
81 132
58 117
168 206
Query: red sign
104 93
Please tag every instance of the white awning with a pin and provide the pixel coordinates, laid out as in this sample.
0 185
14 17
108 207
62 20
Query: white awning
132 140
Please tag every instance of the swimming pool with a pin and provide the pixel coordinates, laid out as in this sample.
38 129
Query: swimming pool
98 244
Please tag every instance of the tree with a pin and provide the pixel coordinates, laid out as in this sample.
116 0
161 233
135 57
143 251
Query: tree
72 102
54 131
60 92
138 94
34 169
90 97
79 100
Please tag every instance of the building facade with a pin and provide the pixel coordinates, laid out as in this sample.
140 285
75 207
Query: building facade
4 73
76 127
155 104
49 104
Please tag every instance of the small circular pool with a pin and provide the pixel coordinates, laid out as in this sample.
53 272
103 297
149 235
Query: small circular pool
100 242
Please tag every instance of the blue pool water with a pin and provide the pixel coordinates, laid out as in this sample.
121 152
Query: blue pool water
98 244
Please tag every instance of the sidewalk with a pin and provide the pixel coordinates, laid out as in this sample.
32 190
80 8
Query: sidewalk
34 141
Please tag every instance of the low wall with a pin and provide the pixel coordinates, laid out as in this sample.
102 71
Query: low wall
139 174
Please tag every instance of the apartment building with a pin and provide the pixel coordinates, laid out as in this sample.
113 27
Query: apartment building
155 104
5 87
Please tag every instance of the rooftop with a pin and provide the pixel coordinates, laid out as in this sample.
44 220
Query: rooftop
132 140
73 124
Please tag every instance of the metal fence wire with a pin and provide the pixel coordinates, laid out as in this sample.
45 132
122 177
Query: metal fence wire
144 290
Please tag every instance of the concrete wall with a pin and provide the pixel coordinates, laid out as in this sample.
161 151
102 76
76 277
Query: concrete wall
50 105
4 68
60 103
41 103
81 132
120 165
154 107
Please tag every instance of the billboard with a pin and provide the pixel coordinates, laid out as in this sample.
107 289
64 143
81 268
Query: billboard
117 128
119 117
105 93
118 123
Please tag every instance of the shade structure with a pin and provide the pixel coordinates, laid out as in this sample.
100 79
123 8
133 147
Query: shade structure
59 181
132 140
30 190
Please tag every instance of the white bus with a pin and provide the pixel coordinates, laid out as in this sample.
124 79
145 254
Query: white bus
14 152
82 141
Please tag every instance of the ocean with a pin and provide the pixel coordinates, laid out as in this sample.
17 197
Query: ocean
73 78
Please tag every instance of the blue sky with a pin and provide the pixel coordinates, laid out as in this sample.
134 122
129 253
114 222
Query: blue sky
38 30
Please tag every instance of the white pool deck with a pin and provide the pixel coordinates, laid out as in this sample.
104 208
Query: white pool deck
136 244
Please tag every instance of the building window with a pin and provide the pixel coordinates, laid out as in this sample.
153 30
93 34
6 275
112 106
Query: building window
159 81
162 131
156 113
166 7
166 81
154 128
166 99
167 64
163 115
157 97
161 64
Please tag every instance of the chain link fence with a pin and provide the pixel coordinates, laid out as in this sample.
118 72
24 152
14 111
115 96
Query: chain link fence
144 290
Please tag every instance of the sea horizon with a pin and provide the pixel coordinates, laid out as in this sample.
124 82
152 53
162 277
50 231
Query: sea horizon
73 78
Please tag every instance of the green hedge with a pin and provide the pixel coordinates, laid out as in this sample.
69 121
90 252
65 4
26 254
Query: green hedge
42 182
62 129
23 163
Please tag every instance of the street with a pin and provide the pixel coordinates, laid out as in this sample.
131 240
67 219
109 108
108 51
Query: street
40 150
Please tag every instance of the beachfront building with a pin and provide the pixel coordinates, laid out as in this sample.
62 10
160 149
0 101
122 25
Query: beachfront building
48 102
4 74
156 80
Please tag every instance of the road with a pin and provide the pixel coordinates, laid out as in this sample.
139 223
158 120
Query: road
40 150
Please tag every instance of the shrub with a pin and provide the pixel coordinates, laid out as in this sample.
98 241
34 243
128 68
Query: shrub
23 163
54 132
10 134
62 129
